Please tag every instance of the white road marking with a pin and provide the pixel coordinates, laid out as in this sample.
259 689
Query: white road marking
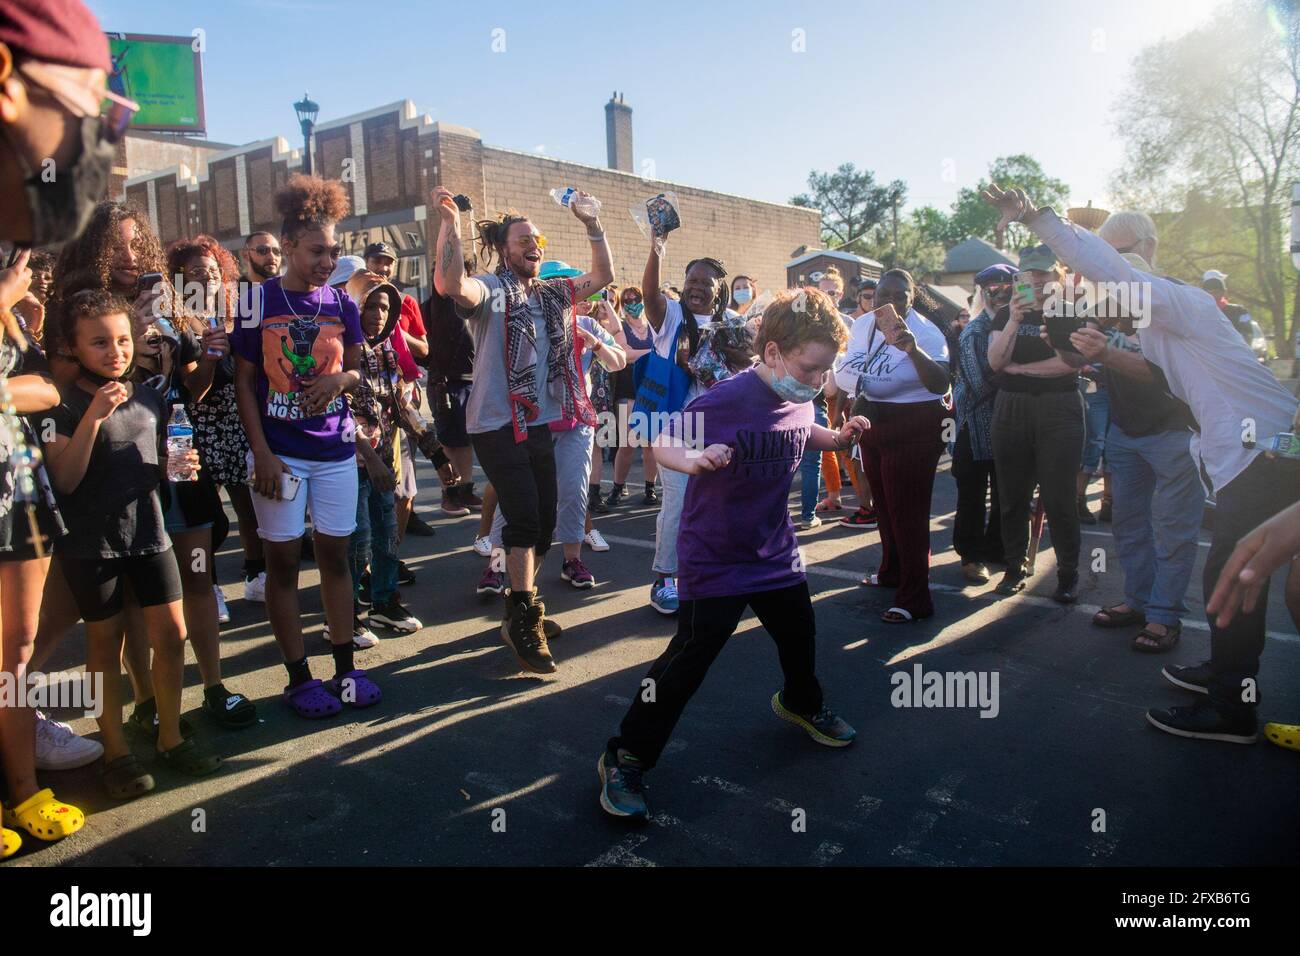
620 854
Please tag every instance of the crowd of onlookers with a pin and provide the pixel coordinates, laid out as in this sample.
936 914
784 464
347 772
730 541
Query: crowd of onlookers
141 384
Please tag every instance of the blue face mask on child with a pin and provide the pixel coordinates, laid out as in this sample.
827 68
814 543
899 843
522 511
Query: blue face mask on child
790 389
742 295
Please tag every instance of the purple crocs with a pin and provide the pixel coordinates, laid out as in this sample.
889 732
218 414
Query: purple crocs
355 688
311 699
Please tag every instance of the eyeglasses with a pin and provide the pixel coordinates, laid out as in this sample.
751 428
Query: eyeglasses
537 239
994 288
65 85
265 250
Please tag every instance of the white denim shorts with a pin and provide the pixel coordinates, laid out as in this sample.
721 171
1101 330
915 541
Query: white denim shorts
329 487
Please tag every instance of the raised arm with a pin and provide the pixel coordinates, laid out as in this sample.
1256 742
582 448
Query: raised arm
656 303
602 267
449 277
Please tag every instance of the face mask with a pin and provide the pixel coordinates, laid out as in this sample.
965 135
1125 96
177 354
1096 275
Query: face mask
634 309
742 295
60 209
790 389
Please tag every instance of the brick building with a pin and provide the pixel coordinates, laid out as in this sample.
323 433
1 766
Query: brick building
391 158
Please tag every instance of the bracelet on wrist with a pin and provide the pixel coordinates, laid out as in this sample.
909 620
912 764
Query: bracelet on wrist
595 236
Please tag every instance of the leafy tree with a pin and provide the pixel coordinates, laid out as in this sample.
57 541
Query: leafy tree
917 251
973 217
1217 111
852 203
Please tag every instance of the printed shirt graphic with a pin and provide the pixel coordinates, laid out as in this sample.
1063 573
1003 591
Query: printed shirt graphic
736 536
883 373
292 346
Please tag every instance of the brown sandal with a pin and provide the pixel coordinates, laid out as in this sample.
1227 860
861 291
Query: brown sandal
1110 617
1163 642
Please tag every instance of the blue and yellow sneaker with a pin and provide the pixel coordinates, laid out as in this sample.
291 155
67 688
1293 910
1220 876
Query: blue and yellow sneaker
622 786
663 596
823 726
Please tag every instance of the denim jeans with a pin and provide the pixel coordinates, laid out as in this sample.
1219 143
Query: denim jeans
1096 419
1156 515
374 542
669 520
810 474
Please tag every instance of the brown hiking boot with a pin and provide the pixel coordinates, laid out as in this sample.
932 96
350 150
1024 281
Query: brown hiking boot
551 629
523 632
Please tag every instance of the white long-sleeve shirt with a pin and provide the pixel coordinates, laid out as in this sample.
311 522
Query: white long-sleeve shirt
1204 360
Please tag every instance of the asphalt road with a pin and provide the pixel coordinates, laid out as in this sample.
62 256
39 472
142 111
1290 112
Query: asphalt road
468 761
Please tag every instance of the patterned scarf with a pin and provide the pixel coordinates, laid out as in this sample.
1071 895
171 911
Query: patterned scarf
562 373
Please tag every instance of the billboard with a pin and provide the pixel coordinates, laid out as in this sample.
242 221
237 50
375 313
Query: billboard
164 75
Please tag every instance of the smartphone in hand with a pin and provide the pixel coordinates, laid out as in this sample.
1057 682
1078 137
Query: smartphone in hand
888 323
1022 285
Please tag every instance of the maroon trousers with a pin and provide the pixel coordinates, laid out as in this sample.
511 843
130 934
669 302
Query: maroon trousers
900 452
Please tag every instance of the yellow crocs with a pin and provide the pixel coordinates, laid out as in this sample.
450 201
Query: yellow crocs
9 843
45 817
1284 735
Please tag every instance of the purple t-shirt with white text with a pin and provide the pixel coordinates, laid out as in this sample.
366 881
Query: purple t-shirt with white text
301 335
736 536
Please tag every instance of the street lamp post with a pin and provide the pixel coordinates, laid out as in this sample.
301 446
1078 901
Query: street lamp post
306 110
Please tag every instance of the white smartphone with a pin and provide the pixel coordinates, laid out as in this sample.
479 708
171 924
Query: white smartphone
289 485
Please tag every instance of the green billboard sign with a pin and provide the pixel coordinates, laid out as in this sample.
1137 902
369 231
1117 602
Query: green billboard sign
164 75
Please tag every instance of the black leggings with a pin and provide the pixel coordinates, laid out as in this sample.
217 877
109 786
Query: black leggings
96 583
703 627
523 475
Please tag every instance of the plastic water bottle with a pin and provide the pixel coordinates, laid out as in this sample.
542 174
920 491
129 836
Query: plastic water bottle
180 440
569 197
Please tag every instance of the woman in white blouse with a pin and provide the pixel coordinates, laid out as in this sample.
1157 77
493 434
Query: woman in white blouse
900 376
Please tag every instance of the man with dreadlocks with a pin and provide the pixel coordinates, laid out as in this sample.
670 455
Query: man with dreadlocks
668 381
526 376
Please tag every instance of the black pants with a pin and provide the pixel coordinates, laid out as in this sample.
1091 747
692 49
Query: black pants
523 475
703 626
1261 491
972 539
1038 442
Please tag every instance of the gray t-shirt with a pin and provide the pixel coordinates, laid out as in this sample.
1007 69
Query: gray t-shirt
488 407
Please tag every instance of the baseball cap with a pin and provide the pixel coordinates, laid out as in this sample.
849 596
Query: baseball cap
380 249
345 269
1000 272
1041 258
1214 274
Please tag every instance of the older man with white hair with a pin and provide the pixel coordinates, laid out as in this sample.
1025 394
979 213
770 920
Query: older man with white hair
1235 402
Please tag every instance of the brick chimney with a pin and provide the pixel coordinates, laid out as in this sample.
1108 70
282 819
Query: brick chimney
618 133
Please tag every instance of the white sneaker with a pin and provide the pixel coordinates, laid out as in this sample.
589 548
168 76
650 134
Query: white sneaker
58 748
483 546
362 637
223 612
255 590
595 540
393 615
814 522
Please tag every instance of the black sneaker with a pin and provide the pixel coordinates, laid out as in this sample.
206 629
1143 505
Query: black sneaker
595 504
1067 588
1203 721
616 496
651 496
622 786
1193 677
1011 583
404 574
418 526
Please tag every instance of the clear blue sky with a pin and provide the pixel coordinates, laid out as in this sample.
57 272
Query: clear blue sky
720 99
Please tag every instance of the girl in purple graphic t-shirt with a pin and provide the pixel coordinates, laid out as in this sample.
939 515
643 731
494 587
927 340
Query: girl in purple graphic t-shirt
736 548
297 354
